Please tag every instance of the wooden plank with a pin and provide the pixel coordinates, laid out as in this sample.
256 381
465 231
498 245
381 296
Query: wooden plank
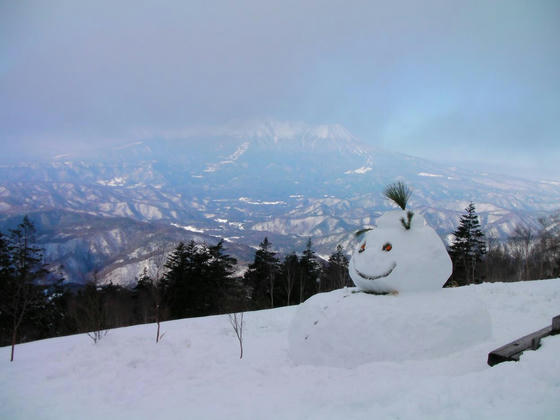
512 351
555 325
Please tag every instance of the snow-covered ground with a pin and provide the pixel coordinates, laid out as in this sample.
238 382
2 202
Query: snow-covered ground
195 371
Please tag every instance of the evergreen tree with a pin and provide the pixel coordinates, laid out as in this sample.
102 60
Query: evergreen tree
21 268
261 276
180 278
6 279
197 279
218 278
309 273
142 296
335 275
467 249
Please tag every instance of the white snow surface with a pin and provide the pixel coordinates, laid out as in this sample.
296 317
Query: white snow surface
429 175
189 228
360 171
390 327
195 371
390 258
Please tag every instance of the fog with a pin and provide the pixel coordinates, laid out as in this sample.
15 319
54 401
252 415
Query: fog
448 80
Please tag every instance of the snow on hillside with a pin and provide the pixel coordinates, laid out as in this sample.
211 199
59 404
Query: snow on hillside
196 373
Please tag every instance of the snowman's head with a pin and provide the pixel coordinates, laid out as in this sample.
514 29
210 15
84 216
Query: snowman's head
391 258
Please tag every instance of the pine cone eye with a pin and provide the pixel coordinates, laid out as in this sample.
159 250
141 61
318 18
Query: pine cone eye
387 247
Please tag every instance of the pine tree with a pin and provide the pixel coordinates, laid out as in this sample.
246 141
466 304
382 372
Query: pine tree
221 265
261 276
467 249
21 268
143 297
218 277
6 280
309 273
197 279
182 265
335 275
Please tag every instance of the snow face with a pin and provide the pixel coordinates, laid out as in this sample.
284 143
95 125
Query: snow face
390 258
348 328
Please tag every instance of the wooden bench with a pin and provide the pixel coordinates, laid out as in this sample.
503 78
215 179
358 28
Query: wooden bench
512 351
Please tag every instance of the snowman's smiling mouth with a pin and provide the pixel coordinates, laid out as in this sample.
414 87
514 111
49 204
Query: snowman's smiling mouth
368 277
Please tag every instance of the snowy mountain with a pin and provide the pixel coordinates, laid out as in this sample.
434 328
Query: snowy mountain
240 182
195 371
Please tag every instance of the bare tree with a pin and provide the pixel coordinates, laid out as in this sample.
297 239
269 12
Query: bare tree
522 242
152 288
95 314
23 298
497 264
236 321
290 267
90 311
548 250
157 290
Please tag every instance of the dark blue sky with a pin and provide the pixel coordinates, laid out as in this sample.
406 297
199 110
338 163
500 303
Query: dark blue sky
448 80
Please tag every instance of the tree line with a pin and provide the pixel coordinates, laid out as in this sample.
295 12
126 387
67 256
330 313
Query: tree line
527 254
197 279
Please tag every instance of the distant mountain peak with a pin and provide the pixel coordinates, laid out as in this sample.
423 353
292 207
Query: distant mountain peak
287 130
332 131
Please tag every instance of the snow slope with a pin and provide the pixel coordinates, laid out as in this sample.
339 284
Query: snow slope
196 373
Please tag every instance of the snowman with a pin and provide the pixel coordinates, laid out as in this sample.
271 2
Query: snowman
405 313
402 254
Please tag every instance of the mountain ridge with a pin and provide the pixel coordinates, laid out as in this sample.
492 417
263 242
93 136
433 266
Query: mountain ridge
282 180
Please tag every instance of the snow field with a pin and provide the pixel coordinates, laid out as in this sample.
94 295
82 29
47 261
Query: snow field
196 373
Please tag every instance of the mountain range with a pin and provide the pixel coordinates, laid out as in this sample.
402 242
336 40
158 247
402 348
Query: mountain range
111 212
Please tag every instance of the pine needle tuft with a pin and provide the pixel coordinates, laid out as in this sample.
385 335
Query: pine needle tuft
399 193
406 223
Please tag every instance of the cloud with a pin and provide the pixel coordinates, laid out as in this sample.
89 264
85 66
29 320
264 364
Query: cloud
400 73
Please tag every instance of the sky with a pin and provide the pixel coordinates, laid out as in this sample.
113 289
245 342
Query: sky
452 81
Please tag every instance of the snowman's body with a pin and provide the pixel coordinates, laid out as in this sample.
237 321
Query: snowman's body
391 258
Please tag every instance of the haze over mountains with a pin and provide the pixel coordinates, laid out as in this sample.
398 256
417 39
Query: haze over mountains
114 211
